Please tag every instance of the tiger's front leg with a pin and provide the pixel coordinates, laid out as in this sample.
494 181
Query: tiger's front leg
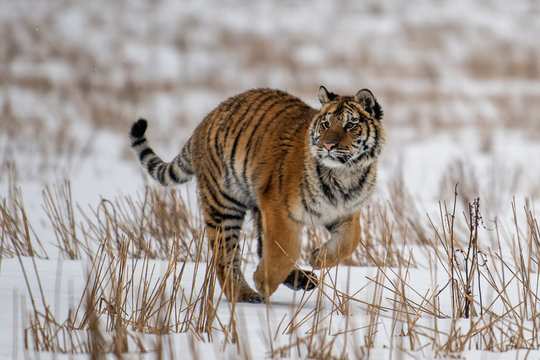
281 248
345 237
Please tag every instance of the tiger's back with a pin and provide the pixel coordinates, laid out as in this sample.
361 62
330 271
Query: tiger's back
268 152
241 142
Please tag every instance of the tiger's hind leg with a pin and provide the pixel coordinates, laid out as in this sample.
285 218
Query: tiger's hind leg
223 232
298 279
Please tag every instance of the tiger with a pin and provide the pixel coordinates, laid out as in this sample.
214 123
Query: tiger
268 153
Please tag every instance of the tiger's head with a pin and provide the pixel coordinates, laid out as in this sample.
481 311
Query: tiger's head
348 130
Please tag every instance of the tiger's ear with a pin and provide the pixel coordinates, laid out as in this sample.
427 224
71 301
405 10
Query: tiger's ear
365 98
326 96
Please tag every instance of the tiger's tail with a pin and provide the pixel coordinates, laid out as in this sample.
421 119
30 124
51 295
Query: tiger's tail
175 172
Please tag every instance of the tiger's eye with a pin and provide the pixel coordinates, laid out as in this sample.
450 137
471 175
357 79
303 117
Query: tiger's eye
325 124
349 126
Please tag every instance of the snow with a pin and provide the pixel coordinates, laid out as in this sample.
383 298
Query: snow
459 83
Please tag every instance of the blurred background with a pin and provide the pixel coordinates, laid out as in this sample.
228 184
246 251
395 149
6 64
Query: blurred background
459 81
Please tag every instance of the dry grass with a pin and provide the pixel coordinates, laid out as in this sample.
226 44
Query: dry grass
17 237
156 223
132 303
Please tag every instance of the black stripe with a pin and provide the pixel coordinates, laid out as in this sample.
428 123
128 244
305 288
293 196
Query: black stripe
232 237
138 142
219 217
172 175
184 162
332 226
257 219
284 149
209 196
212 186
231 245
232 200
245 124
325 188
260 247
236 120
161 172
308 209
341 158
183 167
281 176
363 156
217 203
290 215
213 155
300 107
305 186
218 220
210 181
232 228
361 181
376 137
152 164
143 154
210 225
335 184
264 132
230 125
218 149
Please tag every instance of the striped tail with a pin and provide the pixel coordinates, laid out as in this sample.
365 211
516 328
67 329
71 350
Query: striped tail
176 172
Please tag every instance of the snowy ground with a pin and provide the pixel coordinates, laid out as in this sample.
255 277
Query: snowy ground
459 83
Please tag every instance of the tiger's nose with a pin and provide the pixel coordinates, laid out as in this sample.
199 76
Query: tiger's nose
329 145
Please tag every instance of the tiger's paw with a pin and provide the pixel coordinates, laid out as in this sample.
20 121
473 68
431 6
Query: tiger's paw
323 258
316 259
254 298
247 296
301 280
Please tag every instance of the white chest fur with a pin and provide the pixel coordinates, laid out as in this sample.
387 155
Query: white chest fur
330 194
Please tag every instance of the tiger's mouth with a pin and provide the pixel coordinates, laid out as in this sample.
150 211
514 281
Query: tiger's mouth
341 157
334 157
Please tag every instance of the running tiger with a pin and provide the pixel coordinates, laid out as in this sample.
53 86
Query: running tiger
268 152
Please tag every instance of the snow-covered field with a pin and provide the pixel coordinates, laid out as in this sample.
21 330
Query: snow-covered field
459 83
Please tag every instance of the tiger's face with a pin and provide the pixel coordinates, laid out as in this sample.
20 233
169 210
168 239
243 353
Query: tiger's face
348 130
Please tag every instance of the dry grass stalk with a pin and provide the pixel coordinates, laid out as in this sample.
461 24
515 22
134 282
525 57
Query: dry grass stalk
58 205
128 295
17 236
155 223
